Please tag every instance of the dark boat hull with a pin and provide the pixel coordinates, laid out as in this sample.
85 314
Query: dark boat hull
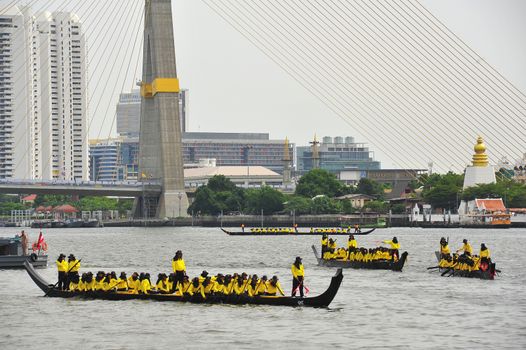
489 274
322 300
376 265
296 233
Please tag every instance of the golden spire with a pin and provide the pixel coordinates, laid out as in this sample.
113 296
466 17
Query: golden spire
480 158
286 153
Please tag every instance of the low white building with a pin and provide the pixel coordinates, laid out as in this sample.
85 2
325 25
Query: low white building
242 176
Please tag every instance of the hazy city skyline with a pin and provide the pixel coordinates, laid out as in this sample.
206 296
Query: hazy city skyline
234 87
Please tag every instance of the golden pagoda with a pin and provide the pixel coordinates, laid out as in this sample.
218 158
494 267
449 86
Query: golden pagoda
480 158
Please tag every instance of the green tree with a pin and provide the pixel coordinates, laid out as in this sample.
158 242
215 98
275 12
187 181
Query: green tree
320 182
205 202
376 206
300 205
325 205
370 187
265 198
398 209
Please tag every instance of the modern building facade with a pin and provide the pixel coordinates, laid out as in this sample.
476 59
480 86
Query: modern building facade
129 112
103 160
42 96
231 149
227 149
335 155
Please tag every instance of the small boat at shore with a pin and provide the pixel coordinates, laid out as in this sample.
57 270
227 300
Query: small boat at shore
322 300
293 232
12 256
373 265
487 274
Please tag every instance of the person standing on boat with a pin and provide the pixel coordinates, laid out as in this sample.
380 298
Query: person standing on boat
357 228
179 268
485 255
352 245
444 248
298 275
394 246
242 227
62 267
24 240
73 268
466 248
324 243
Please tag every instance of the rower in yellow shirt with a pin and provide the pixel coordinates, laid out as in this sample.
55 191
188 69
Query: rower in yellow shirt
273 286
466 248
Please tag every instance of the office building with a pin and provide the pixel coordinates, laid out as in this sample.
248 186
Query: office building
42 96
129 112
335 155
231 149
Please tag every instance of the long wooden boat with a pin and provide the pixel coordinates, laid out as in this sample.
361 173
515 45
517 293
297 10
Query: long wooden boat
247 232
322 300
374 265
488 274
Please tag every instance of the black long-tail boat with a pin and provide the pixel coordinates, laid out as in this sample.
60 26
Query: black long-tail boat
322 300
314 232
372 265
484 274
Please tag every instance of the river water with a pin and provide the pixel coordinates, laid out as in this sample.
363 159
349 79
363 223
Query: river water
374 309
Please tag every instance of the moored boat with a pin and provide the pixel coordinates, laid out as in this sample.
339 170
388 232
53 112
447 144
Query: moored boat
12 256
486 274
322 300
292 232
373 265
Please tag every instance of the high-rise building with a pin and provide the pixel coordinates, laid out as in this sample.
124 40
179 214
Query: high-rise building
42 96
129 112
103 156
335 155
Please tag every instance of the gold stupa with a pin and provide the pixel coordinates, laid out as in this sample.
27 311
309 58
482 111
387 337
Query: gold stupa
480 158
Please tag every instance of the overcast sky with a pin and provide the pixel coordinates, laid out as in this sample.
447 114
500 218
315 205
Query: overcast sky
234 87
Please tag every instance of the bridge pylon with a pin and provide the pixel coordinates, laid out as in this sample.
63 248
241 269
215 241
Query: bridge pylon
160 144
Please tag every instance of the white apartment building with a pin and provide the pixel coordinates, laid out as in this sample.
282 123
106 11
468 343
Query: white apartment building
43 101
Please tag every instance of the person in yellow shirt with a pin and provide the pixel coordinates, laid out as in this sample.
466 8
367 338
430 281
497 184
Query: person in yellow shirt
332 245
183 288
62 268
298 275
444 247
74 283
351 244
146 285
324 243
273 286
122 283
466 248
485 255
208 286
162 284
89 283
394 246
73 268
179 267
253 286
134 283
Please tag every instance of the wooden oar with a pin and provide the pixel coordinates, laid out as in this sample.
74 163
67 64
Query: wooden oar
449 269
433 267
55 286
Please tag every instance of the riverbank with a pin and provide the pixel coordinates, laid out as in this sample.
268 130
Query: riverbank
290 221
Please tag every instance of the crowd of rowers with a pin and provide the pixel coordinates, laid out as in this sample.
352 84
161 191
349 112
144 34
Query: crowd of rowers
177 282
466 261
295 230
354 253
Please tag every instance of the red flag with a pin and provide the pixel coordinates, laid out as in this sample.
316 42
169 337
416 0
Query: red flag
40 241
